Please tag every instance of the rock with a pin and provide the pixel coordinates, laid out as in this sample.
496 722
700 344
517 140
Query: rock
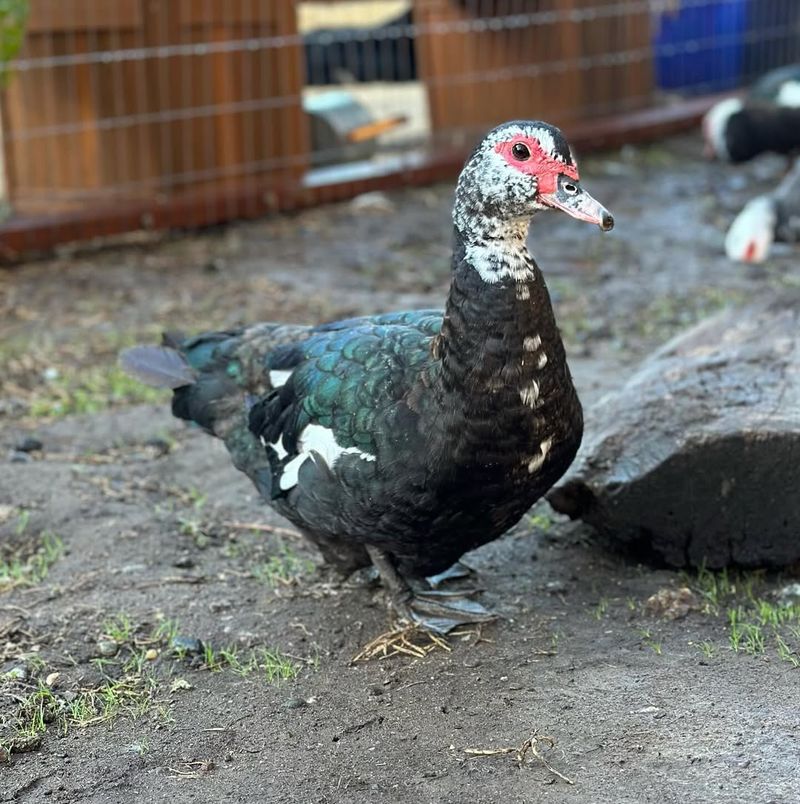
15 456
789 595
107 647
295 703
29 444
696 459
188 646
671 604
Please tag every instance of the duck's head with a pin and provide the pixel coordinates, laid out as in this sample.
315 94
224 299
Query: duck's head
717 128
518 169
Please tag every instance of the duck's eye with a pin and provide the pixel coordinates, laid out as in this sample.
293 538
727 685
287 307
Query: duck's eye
521 151
571 189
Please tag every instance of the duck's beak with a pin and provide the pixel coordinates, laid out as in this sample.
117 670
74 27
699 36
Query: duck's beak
571 198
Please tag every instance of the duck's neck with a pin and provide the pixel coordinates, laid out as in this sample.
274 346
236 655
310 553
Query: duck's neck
499 333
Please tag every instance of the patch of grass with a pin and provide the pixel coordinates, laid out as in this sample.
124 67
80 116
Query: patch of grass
134 683
16 571
282 568
756 623
91 390
272 664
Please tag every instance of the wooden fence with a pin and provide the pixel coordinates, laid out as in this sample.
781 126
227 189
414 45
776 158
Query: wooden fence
127 114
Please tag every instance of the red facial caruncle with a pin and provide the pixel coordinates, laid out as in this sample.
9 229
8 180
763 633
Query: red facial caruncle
537 162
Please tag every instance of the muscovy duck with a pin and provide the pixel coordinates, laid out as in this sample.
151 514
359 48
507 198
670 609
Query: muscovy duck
774 217
767 119
406 439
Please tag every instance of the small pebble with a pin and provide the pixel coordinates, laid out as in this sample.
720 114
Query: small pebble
15 456
555 587
184 562
107 647
295 703
187 645
161 444
151 654
52 679
29 444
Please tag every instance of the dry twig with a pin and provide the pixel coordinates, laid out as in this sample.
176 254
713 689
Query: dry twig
531 745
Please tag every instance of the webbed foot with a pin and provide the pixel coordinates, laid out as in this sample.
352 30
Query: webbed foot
435 610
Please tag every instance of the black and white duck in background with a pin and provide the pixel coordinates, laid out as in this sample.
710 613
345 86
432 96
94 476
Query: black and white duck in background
406 439
769 218
767 119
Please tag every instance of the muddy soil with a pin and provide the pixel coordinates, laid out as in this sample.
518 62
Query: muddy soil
128 537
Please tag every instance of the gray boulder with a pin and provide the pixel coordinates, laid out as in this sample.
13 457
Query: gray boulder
696 459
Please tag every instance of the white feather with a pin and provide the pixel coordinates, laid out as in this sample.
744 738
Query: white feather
537 460
789 94
530 394
278 378
319 439
280 450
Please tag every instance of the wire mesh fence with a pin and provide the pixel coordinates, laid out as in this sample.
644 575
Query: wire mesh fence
119 114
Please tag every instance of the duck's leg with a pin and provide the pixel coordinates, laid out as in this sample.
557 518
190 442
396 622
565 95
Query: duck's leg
434 610
455 573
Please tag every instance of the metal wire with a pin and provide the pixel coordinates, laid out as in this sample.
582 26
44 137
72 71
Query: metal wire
216 96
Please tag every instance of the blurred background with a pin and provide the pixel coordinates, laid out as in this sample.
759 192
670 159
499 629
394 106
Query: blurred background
119 115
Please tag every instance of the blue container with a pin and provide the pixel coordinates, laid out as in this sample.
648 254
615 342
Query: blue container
701 49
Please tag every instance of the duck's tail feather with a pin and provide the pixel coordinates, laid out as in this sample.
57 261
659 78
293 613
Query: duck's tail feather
158 366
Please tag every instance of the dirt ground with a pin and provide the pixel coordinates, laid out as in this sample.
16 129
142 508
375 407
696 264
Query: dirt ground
127 537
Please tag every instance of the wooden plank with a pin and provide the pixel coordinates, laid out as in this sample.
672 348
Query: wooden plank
59 16
21 236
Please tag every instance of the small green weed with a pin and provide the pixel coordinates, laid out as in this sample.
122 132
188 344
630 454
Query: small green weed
282 568
600 609
649 642
34 569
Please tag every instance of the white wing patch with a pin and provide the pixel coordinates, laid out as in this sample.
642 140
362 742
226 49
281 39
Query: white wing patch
280 450
319 439
278 378
789 94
